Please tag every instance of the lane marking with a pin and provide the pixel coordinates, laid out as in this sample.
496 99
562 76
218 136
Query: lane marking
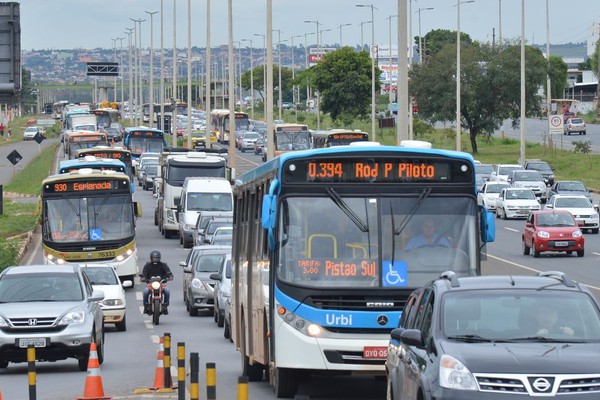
512 229
534 270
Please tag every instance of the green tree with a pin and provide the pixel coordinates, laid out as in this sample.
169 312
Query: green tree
558 77
344 80
259 82
436 39
490 86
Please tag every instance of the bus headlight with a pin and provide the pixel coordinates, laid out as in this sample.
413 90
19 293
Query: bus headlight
126 254
301 325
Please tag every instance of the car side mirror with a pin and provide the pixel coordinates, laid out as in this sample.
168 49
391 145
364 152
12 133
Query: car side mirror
127 284
412 337
549 206
528 225
215 277
396 334
97 295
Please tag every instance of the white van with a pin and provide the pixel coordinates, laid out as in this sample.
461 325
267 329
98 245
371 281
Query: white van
201 194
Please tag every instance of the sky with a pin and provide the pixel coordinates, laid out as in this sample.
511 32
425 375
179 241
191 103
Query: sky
68 24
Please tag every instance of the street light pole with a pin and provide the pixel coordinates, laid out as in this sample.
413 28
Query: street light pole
341 26
402 83
121 73
279 101
420 37
264 85
251 78
208 79
129 33
294 95
189 77
306 64
269 93
373 131
458 76
318 57
114 40
139 114
174 94
151 94
522 147
162 68
135 107
362 40
390 66
231 67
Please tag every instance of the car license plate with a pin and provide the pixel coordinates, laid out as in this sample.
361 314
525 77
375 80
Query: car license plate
375 352
561 244
36 342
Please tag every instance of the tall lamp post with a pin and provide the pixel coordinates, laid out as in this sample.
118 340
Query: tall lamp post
208 79
139 114
189 76
341 26
162 68
458 76
420 37
373 8
522 147
251 78
231 68
174 94
129 33
294 96
318 57
362 40
264 38
279 101
121 73
306 63
135 109
114 40
391 92
151 94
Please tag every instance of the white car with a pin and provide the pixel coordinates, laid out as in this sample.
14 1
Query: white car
248 140
30 132
529 179
516 203
584 212
489 194
501 172
104 277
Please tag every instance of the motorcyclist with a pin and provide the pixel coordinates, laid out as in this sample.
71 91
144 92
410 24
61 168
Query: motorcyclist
156 268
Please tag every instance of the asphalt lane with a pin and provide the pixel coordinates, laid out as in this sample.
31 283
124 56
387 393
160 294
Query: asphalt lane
29 150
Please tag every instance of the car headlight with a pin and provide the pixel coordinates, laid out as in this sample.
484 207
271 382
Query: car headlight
74 317
577 234
112 302
3 322
543 234
454 375
196 283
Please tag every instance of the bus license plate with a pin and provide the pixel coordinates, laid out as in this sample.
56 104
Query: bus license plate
375 352
36 342
561 244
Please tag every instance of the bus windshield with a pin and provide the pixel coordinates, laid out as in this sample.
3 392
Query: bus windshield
140 145
76 219
338 241
292 140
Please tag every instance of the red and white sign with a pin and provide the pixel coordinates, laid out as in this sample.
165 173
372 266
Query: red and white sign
555 124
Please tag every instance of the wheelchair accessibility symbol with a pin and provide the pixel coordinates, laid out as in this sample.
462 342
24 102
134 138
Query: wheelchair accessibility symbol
95 234
394 275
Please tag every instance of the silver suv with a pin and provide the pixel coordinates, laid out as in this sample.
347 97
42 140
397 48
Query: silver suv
52 307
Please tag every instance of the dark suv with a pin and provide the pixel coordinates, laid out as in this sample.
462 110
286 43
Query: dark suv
543 168
496 337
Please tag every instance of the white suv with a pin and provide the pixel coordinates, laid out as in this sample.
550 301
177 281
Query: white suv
501 172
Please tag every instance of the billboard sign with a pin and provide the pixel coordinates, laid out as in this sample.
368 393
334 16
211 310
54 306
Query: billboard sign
316 54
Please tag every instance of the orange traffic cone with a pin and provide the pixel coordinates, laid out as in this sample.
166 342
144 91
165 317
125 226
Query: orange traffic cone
93 382
159 375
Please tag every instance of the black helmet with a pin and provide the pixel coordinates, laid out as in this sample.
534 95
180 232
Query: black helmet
155 256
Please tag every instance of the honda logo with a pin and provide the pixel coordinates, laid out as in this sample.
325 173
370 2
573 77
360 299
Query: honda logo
32 322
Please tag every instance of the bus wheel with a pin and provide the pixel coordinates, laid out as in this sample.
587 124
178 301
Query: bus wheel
285 383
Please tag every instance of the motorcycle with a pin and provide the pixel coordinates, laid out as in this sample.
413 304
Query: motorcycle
155 298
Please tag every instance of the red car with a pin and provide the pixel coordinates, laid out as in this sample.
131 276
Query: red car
552 230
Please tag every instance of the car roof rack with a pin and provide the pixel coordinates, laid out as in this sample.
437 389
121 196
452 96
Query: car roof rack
450 276
561 276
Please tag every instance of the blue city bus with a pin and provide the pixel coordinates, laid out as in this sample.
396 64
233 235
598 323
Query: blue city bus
93 163
140 140
321 262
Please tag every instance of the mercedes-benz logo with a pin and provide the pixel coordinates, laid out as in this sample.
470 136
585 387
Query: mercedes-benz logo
382 320
541 385
32 321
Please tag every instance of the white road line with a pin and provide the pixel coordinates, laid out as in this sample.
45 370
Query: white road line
512 229
597 254
533 269
38 242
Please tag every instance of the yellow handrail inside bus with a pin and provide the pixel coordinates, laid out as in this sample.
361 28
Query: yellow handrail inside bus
321 236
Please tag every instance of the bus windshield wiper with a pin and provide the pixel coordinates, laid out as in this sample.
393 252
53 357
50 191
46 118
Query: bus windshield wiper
424 194
342 205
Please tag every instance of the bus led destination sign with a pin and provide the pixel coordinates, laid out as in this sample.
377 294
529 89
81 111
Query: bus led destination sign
379 171
82 186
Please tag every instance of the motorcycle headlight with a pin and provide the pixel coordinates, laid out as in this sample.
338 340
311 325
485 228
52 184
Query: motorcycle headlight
155 285
454 375
74 317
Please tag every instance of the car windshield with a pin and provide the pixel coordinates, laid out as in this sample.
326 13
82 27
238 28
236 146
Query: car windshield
540 167
22 288
209 201
555 219
520 195
250 135
101 275
209 263
572 202
519 315
495 188
529 176
484 169
572 187
507 170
